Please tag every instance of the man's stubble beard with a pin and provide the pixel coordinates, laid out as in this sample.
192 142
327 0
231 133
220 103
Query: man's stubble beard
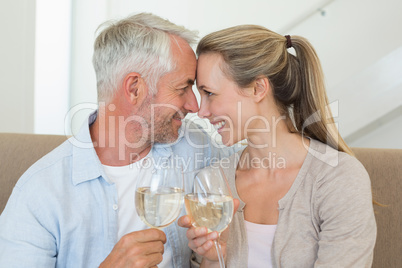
160 129
164 131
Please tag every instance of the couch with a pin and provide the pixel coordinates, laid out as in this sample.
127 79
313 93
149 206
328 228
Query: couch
19 151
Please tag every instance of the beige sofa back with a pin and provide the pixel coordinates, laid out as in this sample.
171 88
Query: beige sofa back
19 151
385 169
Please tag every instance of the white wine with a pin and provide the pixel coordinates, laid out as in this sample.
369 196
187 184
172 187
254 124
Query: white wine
158 208
212 211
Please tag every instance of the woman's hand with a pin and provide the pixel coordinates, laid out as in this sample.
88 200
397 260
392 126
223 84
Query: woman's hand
202 242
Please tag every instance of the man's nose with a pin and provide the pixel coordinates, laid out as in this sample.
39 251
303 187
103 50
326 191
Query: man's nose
191 104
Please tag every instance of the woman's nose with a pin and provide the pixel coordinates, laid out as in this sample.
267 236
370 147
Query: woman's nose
204 112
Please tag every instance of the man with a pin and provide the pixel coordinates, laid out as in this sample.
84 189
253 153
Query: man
75 207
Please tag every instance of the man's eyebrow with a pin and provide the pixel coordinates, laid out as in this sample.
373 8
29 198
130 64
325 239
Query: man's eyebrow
190 82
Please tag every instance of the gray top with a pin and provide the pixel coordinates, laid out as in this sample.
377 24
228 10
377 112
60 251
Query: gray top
325 220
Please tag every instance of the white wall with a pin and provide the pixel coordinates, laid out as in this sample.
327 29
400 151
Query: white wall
384 135
87 16
17 50
52 65
361 51
211 15
34 68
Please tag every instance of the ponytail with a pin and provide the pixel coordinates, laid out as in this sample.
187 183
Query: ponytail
311 111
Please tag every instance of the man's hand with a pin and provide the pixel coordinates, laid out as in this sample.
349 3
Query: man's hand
137 249
202 242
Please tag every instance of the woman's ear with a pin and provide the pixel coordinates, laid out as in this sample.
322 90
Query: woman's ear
262 87
134 88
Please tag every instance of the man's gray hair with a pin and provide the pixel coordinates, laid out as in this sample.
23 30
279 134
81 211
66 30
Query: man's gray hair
139 43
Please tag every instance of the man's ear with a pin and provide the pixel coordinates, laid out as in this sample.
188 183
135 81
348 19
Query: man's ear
134 88
262 87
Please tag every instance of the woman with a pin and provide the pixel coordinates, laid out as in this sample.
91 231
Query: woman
304 199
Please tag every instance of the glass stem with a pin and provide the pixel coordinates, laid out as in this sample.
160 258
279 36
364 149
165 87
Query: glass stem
219 251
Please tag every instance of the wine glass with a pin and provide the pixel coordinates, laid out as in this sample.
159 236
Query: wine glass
210 204
159 195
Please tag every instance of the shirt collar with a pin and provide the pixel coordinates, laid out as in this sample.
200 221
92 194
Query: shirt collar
86 164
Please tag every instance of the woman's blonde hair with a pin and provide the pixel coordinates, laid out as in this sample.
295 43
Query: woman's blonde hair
252 51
